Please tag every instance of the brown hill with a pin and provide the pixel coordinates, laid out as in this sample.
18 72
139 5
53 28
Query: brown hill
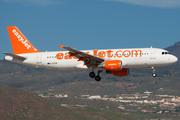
175 49
78 83
17 104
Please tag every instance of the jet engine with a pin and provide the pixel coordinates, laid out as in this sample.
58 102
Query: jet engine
114 65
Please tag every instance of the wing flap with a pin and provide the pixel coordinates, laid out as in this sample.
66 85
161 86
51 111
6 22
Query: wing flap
79 54
82 56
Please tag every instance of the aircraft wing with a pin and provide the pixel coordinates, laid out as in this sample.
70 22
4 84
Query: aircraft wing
82 56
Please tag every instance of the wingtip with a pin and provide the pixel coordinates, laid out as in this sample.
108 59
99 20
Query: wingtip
61 46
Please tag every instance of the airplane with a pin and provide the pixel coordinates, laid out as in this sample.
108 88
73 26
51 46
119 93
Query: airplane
113 61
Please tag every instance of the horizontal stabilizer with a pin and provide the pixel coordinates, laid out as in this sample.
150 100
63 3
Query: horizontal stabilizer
15 56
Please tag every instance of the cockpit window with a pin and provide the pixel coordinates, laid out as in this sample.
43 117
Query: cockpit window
165 53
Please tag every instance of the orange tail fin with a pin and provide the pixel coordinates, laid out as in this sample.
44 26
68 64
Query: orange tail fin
19 42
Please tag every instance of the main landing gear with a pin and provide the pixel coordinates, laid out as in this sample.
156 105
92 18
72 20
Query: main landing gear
93 75
154 74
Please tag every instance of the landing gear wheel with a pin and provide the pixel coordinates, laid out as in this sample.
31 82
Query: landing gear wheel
98 78
154 74
92 74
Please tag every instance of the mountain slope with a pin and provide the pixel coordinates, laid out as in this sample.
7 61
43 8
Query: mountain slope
78 82
17 104
175 49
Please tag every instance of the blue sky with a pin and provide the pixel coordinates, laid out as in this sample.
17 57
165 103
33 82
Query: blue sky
91 24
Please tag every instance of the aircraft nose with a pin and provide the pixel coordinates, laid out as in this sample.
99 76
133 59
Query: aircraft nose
174 59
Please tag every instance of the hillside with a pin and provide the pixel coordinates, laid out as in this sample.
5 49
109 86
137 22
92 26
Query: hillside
174 49
17 104
78 82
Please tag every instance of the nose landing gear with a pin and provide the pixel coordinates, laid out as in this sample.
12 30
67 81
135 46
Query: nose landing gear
154 74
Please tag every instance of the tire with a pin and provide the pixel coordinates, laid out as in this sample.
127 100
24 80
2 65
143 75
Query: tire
154 74
92 74
98 78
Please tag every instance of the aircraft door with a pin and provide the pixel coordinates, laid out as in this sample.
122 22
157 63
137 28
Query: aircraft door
38 59
152 53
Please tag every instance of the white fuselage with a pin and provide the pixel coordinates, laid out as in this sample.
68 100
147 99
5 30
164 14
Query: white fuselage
131 58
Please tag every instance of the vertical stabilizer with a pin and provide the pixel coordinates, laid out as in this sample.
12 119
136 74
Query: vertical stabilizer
20 43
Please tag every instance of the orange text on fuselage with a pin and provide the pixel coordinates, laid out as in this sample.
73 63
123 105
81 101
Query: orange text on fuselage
103 54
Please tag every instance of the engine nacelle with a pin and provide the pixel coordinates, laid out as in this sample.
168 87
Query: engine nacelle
114 65
122 73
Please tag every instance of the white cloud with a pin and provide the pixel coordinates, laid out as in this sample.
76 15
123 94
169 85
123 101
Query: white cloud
38 2
153 3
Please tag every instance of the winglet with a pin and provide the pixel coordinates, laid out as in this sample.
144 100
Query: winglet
61 46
